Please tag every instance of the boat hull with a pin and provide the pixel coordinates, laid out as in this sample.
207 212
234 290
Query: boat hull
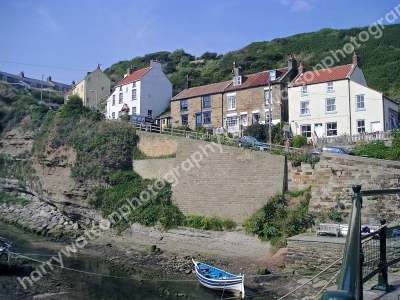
234 284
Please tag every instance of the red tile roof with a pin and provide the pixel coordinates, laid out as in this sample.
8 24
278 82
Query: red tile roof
133 77
324 75
252 80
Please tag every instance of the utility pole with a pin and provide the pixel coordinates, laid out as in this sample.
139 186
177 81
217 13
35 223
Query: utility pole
270 104
41 91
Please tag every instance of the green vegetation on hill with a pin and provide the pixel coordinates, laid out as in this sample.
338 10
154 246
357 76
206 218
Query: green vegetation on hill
379 58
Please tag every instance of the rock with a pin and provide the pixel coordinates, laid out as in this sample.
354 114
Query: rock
188 272
75 226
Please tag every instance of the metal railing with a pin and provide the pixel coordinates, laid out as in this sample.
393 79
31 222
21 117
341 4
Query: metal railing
368 255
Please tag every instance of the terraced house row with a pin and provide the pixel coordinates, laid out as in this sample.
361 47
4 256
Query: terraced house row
321 102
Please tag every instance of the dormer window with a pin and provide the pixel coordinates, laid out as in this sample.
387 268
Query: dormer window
237 80
272 75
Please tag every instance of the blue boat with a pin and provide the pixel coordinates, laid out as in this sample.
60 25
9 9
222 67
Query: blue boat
216 279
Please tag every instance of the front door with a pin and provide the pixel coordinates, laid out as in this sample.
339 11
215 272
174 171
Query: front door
198 119
318 129
375 126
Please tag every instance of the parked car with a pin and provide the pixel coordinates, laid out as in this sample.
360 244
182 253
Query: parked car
336 150
251 141
145 123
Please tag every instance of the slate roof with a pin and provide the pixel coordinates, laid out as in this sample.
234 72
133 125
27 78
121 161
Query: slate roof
249 81
35 81
324 75
136 75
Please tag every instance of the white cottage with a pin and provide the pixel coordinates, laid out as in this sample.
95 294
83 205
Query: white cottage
146 91
336 101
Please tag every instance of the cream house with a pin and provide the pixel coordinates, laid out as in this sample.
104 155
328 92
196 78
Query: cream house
337 101
93 89
146 92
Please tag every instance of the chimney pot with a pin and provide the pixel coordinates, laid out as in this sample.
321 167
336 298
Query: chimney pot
21 74
301 68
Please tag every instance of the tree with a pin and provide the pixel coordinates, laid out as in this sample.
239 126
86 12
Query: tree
73 108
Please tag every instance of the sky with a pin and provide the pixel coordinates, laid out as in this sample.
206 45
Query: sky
65 39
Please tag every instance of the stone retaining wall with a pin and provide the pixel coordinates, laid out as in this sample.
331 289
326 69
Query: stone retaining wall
305 252
332 178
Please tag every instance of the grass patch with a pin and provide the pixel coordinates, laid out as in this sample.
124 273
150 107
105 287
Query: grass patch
209 223
275 222
11 200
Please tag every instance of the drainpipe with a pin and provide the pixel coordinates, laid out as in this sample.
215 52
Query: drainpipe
222 110
351 132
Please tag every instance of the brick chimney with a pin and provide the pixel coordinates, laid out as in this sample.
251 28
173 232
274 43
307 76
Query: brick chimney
356 60
292 62
236 71
49 79
22 74
131 70
301 69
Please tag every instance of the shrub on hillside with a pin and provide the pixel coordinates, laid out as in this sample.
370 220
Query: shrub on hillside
299 141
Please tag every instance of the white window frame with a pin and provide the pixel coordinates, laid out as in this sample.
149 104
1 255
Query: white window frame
119 114
231 121
120 98
360 125
304 90
134 110
267 100
134 95
231 101
330 131
113 100
113 114
305 130
237 80
360 101
329 87
331 105
305 108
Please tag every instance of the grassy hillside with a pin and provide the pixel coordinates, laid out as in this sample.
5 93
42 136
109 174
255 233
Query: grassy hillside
379 57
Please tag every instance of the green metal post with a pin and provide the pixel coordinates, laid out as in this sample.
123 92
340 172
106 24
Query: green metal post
383 282
349 286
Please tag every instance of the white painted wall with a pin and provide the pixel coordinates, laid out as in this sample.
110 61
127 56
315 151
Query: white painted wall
374 114
317 95
153 91
156 91
126 99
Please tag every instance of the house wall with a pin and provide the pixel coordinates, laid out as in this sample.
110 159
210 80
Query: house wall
126 91
388 104
373 111
99 83
153 92
156 91
248 101
317 95
96 81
